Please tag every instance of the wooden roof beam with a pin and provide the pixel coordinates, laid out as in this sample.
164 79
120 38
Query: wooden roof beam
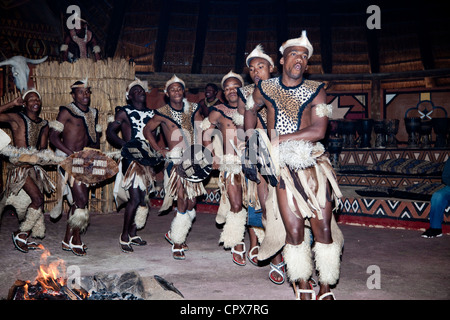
163 32
200 37
282 24
372 50
241 39
326 38
115 27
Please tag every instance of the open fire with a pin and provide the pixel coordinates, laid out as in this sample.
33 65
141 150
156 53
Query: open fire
49 284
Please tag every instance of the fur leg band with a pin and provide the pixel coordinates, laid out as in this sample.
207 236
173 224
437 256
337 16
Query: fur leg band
328 262
141 216
79 219
234 229
38 230
31 220
179 228
298 261
260 233
192 214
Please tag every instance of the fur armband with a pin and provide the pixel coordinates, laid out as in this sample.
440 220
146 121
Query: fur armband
324 110
206 124
98 128
110 119
238 119
250 103
64 47
56 125
96 49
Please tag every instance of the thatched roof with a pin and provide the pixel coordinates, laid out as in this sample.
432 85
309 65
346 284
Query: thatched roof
212 37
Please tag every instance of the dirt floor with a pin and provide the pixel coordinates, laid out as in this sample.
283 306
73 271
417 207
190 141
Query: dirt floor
377 264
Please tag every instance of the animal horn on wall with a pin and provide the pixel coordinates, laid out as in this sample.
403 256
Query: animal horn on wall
20 69
36 61
7 62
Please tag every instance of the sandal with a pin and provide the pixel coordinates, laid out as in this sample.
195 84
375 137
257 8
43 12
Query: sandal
178 257
252 256
278 268
299 291
125 246
169 239
15 237
137 241
77 247
326 294
66 247
240 253
33 245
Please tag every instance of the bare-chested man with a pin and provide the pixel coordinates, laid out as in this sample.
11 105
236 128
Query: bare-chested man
136 177
226 118
75 128
27 182
178 121
260 68
297 120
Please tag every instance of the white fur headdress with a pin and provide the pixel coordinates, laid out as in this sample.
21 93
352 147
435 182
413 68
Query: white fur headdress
258 52
231 74
136 82
83 84
172 80
302 41
29 91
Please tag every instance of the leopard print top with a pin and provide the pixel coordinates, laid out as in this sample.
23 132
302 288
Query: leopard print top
244 93
289 102
226 110
33 130
184 119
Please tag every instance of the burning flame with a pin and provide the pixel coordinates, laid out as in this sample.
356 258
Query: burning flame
50 281
51 275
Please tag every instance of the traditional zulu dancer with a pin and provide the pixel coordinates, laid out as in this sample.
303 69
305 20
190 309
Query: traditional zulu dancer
178 123
27 180
211 99
226 118
77 42
136 178
75 128
297 120
260 68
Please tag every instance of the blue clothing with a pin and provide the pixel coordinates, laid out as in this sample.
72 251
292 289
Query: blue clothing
440 200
